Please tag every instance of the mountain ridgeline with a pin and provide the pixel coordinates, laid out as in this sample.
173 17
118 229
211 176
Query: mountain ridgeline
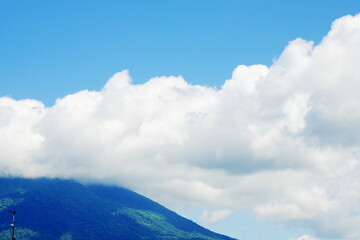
57 209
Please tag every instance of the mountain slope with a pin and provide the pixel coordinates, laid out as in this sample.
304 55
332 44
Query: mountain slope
65 210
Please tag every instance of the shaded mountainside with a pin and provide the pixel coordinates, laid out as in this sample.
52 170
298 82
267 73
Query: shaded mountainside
66 210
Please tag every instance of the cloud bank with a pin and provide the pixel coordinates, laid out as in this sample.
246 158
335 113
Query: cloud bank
282 140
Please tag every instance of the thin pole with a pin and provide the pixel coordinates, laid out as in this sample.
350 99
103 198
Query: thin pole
13 225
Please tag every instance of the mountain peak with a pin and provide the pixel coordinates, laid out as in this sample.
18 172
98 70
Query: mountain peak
67 210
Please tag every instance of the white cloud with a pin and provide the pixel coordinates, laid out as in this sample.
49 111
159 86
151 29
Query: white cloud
305 237
282 140
209 217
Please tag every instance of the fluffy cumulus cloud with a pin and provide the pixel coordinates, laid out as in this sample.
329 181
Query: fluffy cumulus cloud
282 140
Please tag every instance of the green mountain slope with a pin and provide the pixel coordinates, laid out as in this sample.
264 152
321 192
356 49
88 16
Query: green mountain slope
66 210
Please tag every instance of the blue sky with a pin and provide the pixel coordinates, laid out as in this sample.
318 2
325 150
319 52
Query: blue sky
50 49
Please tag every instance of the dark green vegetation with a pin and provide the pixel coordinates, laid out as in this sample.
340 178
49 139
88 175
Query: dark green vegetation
66 210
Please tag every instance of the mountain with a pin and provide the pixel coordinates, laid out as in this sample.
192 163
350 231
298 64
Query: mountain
58 209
